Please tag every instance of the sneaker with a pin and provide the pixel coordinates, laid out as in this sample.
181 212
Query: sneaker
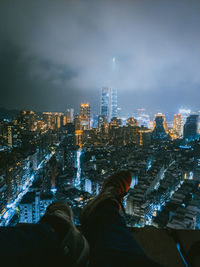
74 248
114 188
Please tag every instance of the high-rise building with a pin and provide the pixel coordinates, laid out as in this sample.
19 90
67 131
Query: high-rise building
131 122
77 122
115 122
33 206
78 136
26 120
113 103
52 163
178 125
69 115
160 127
184 113
190 128
54 120
47 117
85 116
108 105
58 121
197 161
64 120
102 120
10 139
105 102
70 136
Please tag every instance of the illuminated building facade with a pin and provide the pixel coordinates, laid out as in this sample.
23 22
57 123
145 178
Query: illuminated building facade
58 122
3 195
77 122
54 120
116 122
178 125
33 207
108 104
131 122
26 120
78 136
10 139
64 120
184 113
69 115
114 112
85 116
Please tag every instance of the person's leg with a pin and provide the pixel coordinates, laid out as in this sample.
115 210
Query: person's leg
27 245
111 242
54 241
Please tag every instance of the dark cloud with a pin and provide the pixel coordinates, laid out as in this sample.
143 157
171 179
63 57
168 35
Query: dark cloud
55 54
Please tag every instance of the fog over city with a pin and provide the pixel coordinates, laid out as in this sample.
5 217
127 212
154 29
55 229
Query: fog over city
55 54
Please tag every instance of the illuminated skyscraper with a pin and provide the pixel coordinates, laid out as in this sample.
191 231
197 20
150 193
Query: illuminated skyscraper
54 120
77 122
184 113
78 130
108 105
113 103
10 139
70 115
178 125
58 122
190 127
105 102
85 116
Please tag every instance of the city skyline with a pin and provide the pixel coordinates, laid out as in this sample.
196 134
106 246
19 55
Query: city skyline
58 54
141 114
100 126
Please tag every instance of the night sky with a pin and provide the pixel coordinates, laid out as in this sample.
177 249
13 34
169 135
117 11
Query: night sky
55 54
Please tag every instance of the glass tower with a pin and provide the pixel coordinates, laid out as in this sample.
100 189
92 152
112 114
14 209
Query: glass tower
108 105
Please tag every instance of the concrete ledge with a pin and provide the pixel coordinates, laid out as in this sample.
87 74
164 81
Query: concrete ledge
160 244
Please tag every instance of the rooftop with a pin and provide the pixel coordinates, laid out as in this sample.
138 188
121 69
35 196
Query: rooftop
162 245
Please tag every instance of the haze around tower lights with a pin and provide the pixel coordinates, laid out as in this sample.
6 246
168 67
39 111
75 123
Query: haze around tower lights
56 54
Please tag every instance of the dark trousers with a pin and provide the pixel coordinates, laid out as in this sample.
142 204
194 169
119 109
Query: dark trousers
111 242
28 245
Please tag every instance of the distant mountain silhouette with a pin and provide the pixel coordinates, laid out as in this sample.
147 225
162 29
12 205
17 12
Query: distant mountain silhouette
8 114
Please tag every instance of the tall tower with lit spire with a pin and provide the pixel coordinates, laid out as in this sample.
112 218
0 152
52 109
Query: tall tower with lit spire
108 103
